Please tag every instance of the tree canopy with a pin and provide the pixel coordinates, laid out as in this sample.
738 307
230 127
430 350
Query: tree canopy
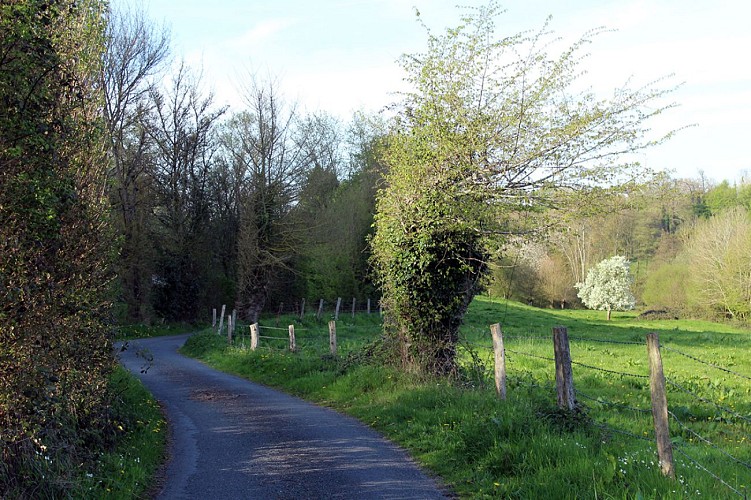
494 128
608 286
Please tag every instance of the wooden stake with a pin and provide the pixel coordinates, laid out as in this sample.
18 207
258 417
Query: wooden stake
320 309
368 306
292 343
302 309
500 361
229 328
660 406
338 305
332 337
253 336
354 301
221 320
213 318
564 378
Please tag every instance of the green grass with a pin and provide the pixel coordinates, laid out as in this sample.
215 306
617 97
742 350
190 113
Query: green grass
524 447
128 470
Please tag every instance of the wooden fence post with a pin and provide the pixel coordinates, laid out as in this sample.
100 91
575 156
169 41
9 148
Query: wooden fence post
354 301
229 328
213 318
660 406
368 306
302 309
564 378
320 309
253 336
332 337
338 305
500 361
221 320
292 343
234 320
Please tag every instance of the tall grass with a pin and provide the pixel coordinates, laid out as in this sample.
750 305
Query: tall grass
128 470
525 447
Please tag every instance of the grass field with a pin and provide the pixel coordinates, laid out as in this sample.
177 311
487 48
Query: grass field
525 447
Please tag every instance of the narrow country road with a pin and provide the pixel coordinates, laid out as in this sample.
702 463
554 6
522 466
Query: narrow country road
235 439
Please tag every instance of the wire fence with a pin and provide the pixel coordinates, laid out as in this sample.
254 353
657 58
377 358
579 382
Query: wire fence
690 435
704 430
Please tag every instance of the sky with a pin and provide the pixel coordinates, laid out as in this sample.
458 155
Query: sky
340 56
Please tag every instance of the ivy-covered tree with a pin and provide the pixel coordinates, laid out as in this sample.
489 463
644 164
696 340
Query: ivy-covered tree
492 129
55 347
608 286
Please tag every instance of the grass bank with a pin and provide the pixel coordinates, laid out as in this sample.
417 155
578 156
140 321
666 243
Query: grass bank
128 470
525 447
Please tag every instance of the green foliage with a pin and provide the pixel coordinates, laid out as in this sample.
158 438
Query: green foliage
717 252
608 286
127 470
475 148
55 247
721 197
334 256
666 287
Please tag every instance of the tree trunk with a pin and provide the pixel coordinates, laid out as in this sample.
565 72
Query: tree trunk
251 300
609 314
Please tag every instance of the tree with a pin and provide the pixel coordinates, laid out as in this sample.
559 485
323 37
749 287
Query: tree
555 280
181 129
338 216
135 52
493 129
260 143
717 253
608 286
55 246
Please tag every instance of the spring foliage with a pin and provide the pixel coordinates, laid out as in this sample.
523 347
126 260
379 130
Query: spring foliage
608 286
55 350
494 128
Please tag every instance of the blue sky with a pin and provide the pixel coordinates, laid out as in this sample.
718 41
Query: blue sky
340 56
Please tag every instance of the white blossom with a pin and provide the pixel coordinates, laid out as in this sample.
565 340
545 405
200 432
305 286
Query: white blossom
608 286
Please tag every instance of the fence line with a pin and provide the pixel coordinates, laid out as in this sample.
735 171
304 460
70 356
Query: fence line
602 400
481 360
607 427
606 341
704 400
657 383
530 355
613 372
707 441
707 363
679 449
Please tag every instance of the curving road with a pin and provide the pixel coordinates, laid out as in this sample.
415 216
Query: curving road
234 439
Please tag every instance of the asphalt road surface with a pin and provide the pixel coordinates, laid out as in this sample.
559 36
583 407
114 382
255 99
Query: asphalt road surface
234 439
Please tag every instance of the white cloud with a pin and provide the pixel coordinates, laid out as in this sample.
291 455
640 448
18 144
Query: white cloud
261 32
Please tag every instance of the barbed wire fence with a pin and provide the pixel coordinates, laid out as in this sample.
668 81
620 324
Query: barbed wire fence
531 353
686 440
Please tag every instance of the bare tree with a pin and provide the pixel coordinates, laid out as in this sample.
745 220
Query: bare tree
135 52
182 130
261 144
